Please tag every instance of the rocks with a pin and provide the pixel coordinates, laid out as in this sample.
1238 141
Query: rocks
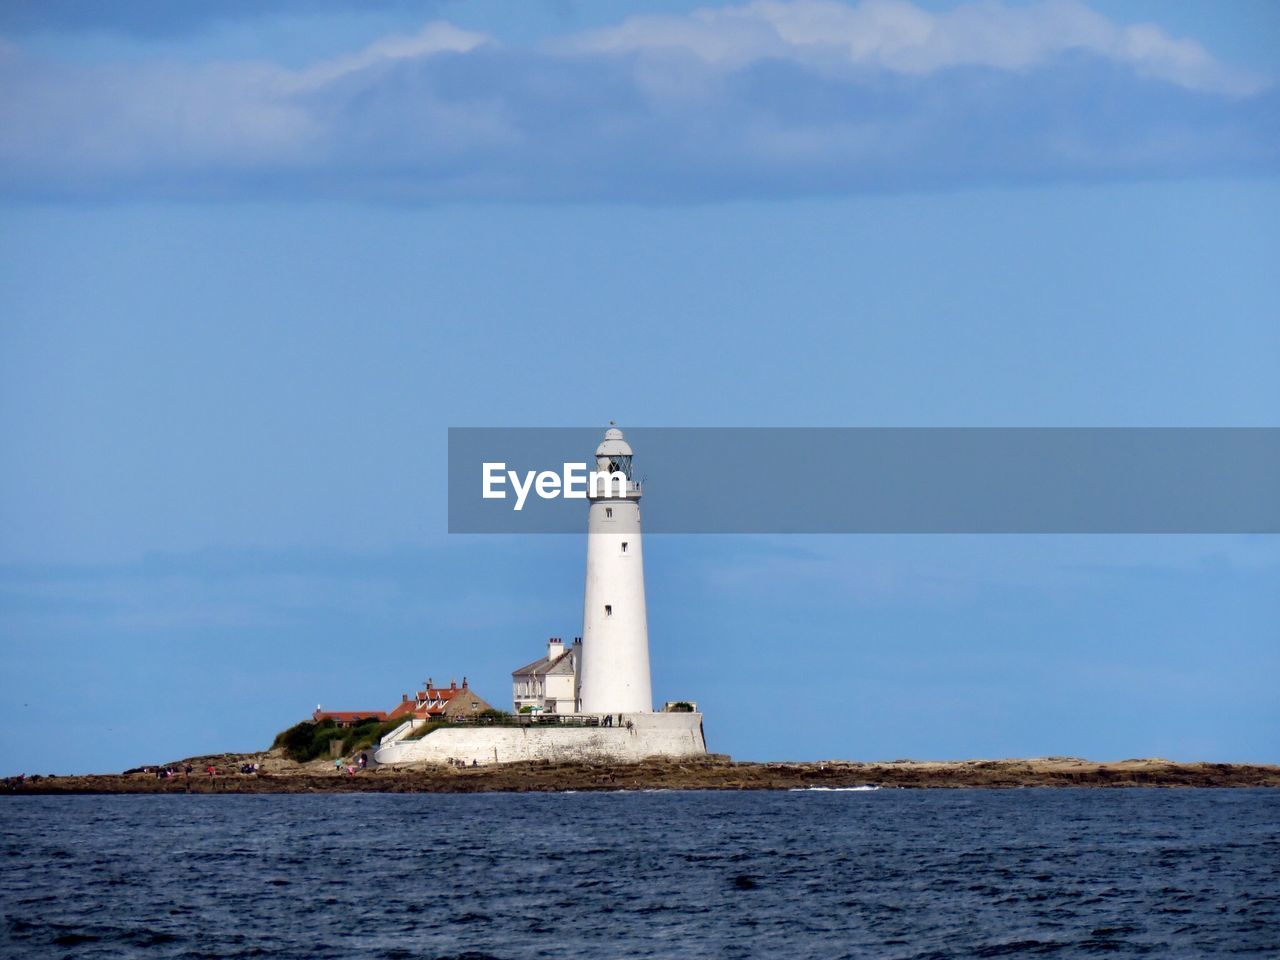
711 773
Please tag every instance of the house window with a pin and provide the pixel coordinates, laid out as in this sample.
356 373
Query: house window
624 548
608 513
608 610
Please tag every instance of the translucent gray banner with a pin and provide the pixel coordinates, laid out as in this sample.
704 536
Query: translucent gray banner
868 480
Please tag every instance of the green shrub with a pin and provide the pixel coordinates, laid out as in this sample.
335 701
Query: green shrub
365 735
293 738
308 740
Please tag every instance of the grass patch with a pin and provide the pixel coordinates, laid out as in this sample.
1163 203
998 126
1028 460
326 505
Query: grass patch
417 733
309 740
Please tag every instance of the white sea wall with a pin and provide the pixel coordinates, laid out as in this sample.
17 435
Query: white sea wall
650 735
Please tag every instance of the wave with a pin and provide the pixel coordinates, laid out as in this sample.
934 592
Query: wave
861 789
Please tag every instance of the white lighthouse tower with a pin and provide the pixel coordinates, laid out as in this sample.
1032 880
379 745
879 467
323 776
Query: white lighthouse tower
615 629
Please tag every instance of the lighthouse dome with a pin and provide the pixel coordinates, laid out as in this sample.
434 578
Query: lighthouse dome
613 444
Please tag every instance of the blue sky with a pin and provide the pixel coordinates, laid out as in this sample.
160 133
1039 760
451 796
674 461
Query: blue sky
254 265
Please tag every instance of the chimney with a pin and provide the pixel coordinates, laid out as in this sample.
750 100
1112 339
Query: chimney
453 684
555 647
429 683
404 698
464 683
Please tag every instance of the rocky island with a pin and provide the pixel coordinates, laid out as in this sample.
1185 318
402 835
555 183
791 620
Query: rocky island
277 774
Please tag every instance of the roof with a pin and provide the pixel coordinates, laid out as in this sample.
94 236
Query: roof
548 666
561 666
434 702
349 716
439 693
613 444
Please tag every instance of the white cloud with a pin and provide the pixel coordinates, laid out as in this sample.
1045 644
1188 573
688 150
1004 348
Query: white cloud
436 37
770 98
126 117
899 37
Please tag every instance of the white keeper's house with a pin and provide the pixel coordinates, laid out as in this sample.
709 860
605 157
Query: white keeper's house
550 683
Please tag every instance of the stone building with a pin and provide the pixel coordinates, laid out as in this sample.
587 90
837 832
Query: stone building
436 703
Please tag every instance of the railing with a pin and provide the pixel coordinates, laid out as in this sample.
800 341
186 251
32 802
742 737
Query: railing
399 732
534 720
609 491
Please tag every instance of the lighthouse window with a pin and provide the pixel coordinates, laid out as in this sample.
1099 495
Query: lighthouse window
608 610
624 548
608 513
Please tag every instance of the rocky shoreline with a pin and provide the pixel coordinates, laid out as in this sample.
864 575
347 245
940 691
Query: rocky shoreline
278 775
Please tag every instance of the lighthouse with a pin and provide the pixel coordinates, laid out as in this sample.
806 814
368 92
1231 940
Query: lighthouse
608 672
615 630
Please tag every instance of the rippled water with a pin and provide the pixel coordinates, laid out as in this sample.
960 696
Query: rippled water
898 873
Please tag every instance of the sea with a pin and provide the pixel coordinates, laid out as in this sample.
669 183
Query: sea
796 874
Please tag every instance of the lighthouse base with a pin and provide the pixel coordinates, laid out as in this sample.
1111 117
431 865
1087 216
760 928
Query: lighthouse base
637 737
